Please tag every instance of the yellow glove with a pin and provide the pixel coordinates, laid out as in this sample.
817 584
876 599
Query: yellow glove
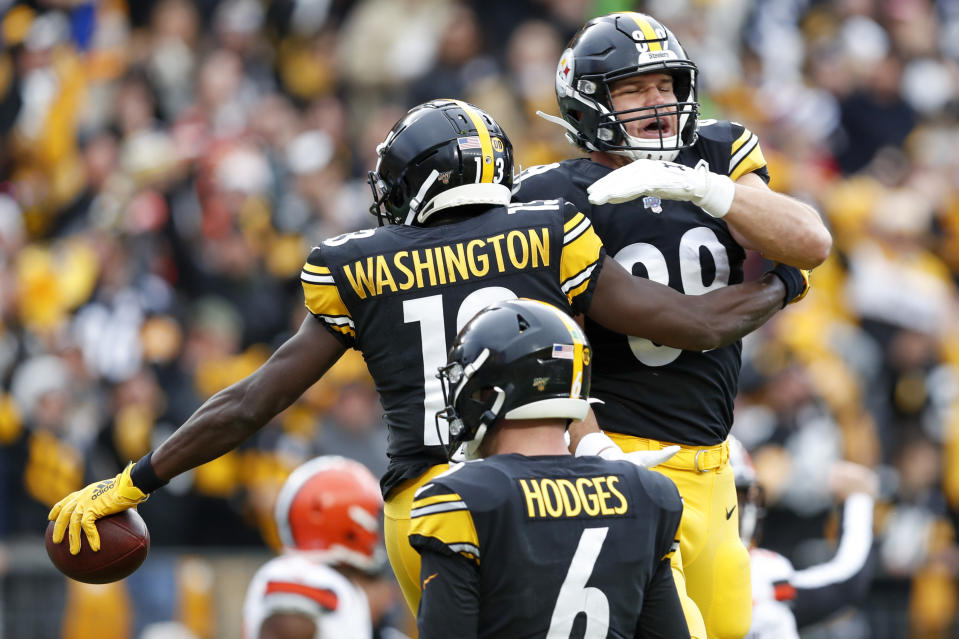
83 507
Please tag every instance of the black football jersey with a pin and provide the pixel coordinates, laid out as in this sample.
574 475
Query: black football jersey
399 294
652 390
550 537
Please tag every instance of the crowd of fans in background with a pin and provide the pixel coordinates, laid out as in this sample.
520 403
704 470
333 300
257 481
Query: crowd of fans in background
165 166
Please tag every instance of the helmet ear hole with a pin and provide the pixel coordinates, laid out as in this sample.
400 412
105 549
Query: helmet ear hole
523 323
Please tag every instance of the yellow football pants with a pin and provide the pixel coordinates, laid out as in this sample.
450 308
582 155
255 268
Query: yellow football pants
404 559
711 569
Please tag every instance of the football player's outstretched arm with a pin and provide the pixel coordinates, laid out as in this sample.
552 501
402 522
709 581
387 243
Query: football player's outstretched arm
229 417
218 426
637 306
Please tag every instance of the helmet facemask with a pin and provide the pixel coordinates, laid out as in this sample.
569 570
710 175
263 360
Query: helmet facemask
471 408
612 129
610 49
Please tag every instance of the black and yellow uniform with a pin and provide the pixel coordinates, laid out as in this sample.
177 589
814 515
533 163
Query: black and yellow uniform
657 395
399 294
518 546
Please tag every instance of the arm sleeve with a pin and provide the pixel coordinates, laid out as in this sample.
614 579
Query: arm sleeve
449 606
824 589
662 615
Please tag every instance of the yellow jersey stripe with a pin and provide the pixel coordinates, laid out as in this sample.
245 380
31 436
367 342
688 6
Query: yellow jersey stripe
435 499
573 222
313 268
752 161
324 299
576 291
648 32
455 529
346 330
740 141
579 255
486 144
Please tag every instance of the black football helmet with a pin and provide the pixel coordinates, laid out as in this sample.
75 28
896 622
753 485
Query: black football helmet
611 48
442 154
518 359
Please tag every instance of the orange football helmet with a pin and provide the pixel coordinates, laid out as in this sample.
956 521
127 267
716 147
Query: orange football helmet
330 508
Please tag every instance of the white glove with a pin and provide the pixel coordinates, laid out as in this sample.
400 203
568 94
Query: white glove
710 191
600 444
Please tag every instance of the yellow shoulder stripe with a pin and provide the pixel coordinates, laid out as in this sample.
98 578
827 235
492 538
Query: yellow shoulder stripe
579 255
740 141
313 268
573 222
752 161
454 528
434 499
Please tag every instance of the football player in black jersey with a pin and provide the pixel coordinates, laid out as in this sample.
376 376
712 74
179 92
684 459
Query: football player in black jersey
677 200
451 244
527 540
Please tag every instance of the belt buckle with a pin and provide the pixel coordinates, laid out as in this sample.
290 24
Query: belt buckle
696 461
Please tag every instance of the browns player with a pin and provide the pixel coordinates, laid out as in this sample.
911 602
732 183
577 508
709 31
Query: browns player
327 582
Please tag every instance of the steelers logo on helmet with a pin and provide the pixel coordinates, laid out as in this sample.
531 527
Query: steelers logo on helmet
518 359
442 155
617 47
564 72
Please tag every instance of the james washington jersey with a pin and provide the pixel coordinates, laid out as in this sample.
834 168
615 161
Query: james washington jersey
651 390
400 294
535 546
294 584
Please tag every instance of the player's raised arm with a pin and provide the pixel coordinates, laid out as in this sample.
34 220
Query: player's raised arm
229 417
637 306
218 426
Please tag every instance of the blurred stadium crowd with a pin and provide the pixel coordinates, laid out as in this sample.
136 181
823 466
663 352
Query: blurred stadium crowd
166 165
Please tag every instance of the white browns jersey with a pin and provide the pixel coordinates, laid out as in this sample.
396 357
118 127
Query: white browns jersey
772 591
294 583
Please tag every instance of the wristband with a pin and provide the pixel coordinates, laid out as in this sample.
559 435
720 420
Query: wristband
144 476
719 196
793 279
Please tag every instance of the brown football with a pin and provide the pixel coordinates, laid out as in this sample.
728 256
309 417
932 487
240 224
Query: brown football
124 544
